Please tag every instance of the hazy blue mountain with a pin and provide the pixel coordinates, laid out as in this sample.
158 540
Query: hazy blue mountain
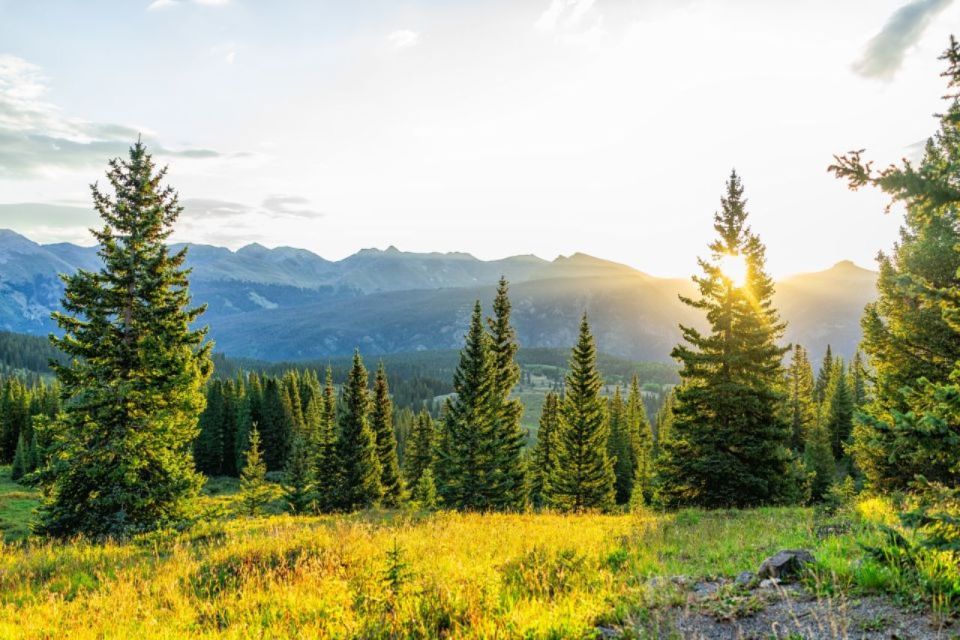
287 303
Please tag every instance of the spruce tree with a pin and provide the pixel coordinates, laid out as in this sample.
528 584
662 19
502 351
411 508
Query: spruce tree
858 381
134 382
912 344
620 447
254 491
801 402
278 423
298 484
509 483
359 466
381 421
641 438
583 478
823 376
818 458
420 449
425 491
727 447
838 408
544 456
208 447
664 422
326 465
465 464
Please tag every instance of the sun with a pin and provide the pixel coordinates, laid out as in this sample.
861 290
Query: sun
734 268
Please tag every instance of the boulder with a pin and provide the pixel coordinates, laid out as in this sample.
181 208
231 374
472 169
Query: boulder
784 565
745 578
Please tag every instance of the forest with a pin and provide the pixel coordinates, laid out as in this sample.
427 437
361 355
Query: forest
153 488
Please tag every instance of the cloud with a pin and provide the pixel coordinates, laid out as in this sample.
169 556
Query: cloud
572 21
403 38
281 205
884 54
205 208
36 137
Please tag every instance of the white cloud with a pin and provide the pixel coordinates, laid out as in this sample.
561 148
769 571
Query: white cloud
884 54
403 38
572 22
160 4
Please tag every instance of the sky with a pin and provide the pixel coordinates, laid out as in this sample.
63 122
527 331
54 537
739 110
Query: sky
500 127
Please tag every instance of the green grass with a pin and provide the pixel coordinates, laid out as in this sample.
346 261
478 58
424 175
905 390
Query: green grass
403 574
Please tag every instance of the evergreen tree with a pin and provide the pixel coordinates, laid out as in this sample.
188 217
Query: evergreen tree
583 478
425 491
359 466
208 447
230 419
381 421
858 381
838 408
298 487
134 383
326 464
823 376
21 459
254 491
278 424
14 417
509 483
818 458
641 439
544 457
727 445
620 447
420 449
801 402
465 462
664 422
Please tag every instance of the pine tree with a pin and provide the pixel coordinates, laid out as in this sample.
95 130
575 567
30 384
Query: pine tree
641 438
254 491
359 466
801 402
858 381
279 423
326 464
465 463
420 449
620 447
509 438
136 373
298 486
583 478
818 458
231 398
823 376
21 459
664 422
838 408
381 421
544 457
14 417
425 491
208 447
727 446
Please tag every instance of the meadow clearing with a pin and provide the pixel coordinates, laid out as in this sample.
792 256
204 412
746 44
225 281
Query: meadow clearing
402 574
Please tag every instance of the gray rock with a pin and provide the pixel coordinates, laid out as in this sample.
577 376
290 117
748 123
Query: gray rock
785 564
769 583
745 578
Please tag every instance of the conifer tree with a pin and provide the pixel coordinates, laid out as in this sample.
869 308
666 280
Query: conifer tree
641 444
254 491
664 422
208 447
420 449
838 408
134 382
278 424
21 459
298 486
858 381
425 491
727 447
231 395
583 478
509 483
801 403
326 465
14 417
359 466
818 458
465 462
544 456
620 447
381 421
823 376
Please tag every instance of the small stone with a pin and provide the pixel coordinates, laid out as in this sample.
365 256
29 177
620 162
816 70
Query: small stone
785 564
608 632
745 578
769 583
680 581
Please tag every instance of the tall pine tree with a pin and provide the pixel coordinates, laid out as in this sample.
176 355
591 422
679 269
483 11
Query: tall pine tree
728 442
420 449
801 402
583 478
381 421
359 465
509 483
134 382
544 456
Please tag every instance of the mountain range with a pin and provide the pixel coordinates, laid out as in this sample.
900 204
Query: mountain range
291 304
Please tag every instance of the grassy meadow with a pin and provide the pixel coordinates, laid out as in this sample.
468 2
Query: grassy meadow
400 574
